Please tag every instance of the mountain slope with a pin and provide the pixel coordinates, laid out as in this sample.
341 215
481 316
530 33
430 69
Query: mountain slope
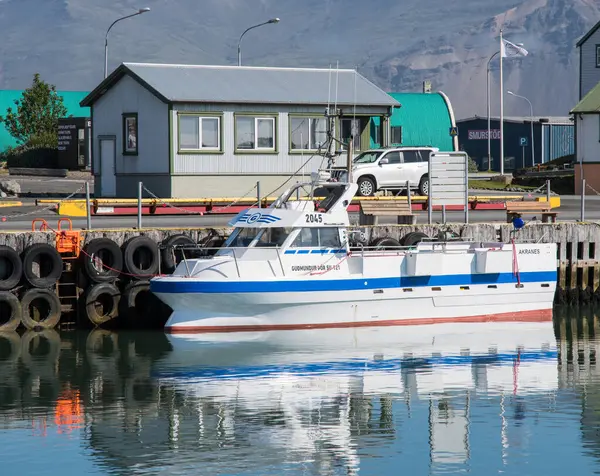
395 44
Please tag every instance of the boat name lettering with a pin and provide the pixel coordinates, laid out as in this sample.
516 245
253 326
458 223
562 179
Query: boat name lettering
316 267
529 251
314 218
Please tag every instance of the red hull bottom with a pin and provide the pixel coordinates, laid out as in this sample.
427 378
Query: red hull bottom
542 315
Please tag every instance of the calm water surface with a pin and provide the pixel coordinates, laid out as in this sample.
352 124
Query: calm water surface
516 399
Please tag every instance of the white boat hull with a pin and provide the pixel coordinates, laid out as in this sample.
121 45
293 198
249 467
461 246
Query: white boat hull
227 312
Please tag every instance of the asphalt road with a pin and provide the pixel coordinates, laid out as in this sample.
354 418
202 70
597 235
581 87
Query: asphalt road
13 219
19 218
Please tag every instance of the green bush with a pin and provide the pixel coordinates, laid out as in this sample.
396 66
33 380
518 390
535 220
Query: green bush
472 166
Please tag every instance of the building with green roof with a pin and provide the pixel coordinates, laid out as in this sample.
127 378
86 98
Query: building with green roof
587 144
71 100
423 119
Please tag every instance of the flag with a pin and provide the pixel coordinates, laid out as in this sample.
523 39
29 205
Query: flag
509 50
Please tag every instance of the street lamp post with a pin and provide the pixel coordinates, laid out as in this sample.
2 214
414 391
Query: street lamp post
531 115
489 138
272 20
139 12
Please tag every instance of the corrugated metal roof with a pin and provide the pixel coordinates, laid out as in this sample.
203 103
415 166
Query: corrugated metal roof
425 120
247 84
544 119
71 100
590 102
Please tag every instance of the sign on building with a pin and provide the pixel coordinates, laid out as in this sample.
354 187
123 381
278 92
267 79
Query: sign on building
73 142
448 181
483 134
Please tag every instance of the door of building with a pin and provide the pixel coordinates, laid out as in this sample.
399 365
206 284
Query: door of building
108 180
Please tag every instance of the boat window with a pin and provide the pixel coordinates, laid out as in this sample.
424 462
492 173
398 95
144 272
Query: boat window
273 237
318 238
241 237
267 237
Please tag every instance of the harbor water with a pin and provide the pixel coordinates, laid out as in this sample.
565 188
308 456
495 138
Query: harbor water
488 398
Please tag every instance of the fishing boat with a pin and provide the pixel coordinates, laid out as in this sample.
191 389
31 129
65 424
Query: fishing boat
300 264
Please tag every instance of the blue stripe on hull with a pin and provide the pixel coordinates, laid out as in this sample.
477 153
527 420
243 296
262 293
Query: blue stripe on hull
190 285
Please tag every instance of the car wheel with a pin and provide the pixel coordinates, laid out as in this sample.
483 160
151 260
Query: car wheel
366 187
424 186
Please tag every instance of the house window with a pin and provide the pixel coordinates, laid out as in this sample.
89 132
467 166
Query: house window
307 133
351 127
396 133
130 133
254 133
597 56
199 132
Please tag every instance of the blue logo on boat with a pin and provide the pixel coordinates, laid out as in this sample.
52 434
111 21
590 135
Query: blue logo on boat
257 218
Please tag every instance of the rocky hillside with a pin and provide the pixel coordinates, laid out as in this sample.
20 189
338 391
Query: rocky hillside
396 44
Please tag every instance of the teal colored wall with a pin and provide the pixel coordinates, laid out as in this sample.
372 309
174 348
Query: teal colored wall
71 101
425 120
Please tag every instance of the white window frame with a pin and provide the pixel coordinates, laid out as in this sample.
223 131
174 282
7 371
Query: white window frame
311 119
200 118
273 120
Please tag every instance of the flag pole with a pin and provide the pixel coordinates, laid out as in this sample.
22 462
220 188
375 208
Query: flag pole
501 107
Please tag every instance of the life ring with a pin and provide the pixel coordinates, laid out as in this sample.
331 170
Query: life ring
141 257
171 256
40 309
10 311
101 303
42 265
102 260
11 268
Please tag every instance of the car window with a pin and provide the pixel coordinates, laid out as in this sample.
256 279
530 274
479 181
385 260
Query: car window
411 156
425 154
393 157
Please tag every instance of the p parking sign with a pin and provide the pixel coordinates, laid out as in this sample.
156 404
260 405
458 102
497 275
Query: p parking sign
523 141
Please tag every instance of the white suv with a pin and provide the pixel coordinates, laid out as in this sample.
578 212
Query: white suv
389 169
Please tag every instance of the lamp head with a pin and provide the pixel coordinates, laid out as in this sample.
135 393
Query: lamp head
144 10
273 20
510 92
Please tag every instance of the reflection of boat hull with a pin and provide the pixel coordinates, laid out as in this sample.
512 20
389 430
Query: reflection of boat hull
203 312
439 357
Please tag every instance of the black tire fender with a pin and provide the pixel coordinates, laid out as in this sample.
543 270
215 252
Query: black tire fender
10 312
386 243
171 256
49 262
141 257
43 301
101 303
11 268
102 260
413 238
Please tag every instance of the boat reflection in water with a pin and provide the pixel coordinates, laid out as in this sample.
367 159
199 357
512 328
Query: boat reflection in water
313 394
